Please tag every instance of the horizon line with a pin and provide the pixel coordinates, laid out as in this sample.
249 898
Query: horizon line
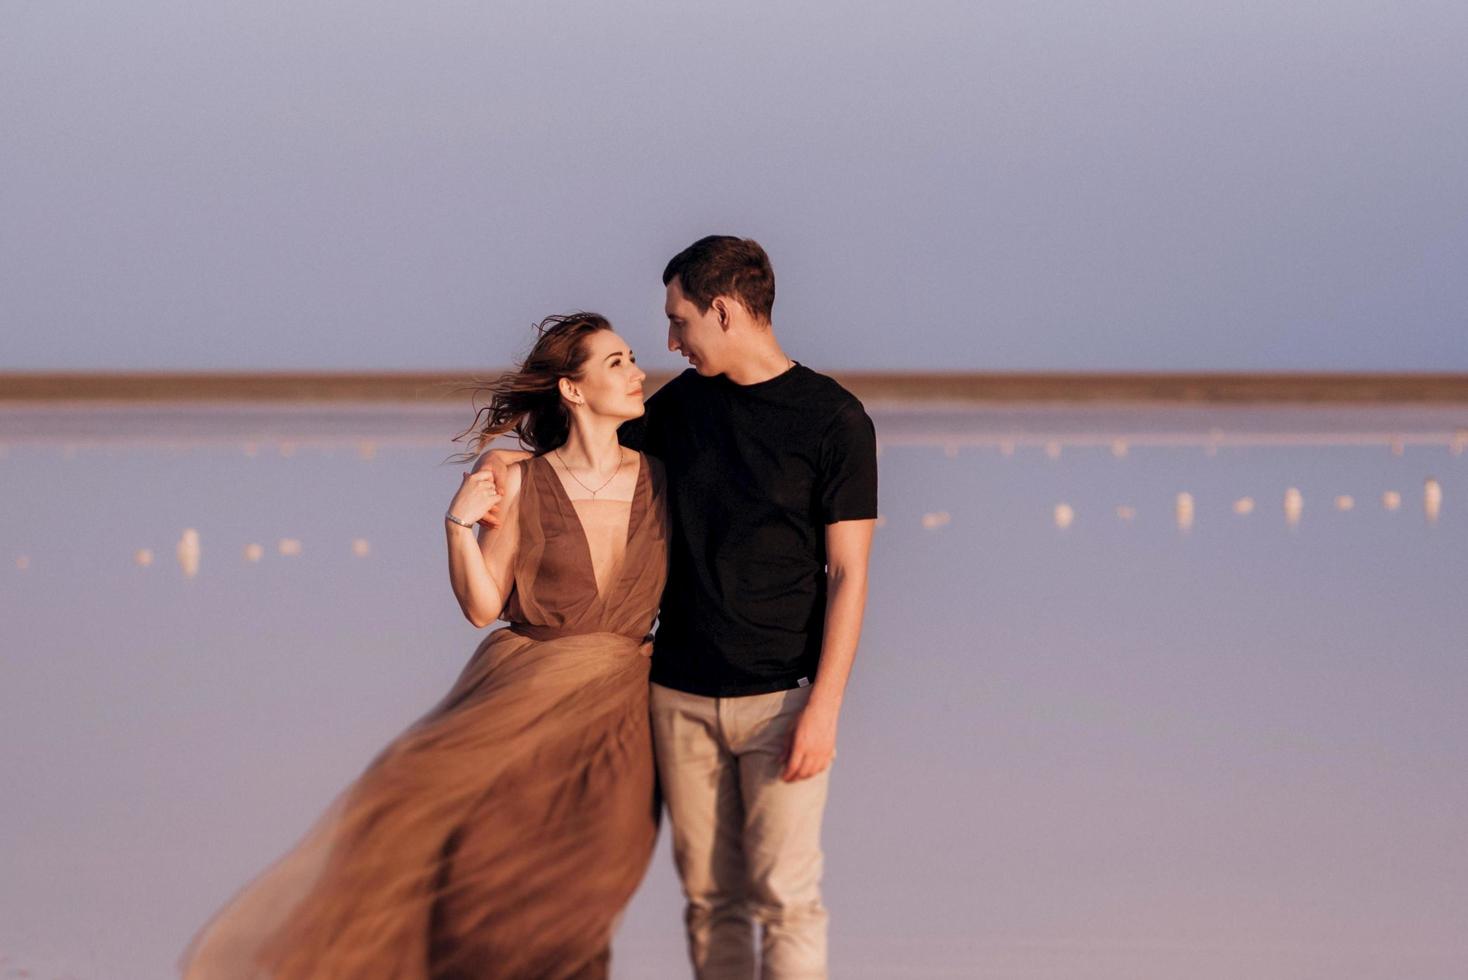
1200 387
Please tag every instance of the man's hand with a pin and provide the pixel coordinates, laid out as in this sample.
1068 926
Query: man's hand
812 744
497 462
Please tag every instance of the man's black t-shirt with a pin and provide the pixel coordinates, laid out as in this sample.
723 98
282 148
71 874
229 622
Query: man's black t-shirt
755 473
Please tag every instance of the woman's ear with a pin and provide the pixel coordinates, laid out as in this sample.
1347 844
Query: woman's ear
569 391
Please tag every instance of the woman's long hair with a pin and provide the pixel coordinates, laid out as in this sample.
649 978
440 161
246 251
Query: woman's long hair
527 401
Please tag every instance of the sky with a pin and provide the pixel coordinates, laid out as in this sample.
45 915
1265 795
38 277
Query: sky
1007 185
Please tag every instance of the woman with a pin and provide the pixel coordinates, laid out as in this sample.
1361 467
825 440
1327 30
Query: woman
503 833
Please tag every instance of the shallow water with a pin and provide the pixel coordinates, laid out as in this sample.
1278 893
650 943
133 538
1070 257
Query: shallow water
1096 730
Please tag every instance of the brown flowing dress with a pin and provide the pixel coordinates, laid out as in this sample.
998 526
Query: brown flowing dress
503 833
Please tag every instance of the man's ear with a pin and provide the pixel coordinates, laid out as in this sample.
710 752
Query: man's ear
721 307
569 391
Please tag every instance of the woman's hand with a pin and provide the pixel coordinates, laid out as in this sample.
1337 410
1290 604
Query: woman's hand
478 493
497 462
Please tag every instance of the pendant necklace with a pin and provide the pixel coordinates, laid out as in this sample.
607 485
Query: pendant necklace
573 476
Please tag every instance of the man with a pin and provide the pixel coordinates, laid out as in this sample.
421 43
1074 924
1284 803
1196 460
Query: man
772 484
772 480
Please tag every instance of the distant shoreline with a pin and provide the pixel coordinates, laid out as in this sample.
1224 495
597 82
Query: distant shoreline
432 387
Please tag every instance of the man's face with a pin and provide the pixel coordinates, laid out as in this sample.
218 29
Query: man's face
699 337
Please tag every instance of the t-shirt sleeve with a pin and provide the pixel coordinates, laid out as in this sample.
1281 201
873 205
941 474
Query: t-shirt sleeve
633 433
849 467
645 434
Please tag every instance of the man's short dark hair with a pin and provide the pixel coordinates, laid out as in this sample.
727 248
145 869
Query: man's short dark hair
722 265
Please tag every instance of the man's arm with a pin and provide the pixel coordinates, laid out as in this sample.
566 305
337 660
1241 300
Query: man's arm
813 745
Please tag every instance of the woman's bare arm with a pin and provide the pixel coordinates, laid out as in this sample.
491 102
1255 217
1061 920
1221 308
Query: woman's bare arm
481 567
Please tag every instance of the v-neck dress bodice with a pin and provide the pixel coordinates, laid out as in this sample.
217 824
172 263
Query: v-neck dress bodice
555 589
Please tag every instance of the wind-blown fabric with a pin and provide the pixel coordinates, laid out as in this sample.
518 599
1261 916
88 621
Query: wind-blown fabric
503 833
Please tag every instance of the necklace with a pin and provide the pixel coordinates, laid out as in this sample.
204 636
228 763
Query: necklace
567 467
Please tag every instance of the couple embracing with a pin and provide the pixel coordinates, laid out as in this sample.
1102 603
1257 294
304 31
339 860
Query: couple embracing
502 835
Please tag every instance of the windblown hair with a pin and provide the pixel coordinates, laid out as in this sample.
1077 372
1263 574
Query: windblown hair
527 401
722 265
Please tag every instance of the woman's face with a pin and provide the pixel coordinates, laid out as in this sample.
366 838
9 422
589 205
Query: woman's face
611 381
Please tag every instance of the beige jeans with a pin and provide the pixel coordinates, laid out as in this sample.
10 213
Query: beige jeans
747 844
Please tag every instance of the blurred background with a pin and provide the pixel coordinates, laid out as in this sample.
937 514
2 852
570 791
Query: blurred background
1129 184
1155 682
